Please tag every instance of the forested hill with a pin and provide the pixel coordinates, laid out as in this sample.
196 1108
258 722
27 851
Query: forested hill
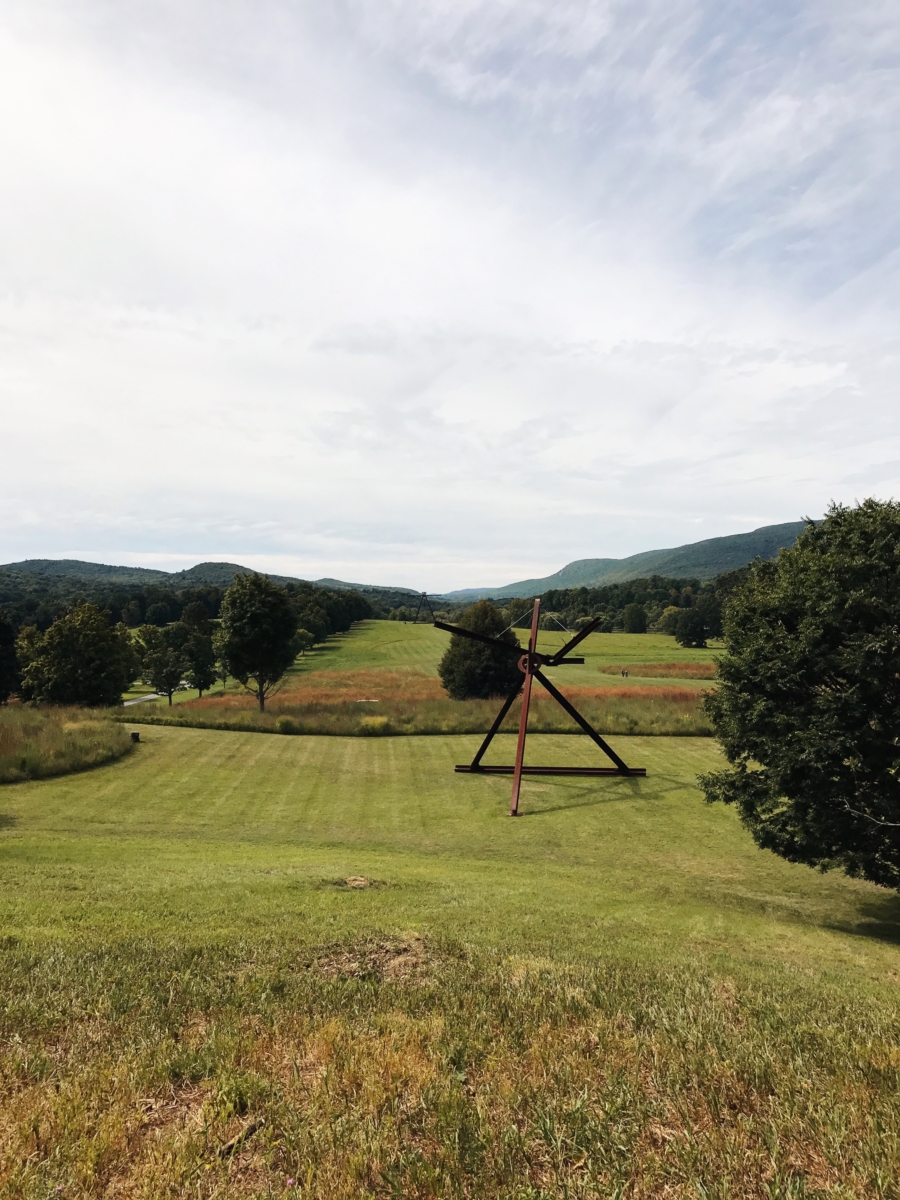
38 590
697 560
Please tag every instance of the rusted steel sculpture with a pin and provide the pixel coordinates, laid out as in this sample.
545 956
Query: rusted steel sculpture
532 664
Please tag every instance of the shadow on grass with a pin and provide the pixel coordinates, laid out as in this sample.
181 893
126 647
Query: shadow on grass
8 821
625 789
879 920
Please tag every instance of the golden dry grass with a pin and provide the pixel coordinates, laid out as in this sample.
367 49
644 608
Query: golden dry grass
39 742
373 703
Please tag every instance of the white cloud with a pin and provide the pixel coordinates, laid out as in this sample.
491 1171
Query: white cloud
441 294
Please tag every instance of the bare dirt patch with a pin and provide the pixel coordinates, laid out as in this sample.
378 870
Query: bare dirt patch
388 958
355 883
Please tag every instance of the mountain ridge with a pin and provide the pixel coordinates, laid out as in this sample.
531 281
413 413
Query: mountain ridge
216 574
696 560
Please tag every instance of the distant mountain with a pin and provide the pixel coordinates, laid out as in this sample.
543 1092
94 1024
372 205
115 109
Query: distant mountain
60 571
697 560
74 568
215 574
338 585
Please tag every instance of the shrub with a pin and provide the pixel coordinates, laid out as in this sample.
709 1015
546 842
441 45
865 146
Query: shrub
471 670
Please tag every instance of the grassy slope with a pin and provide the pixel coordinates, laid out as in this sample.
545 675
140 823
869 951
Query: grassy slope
240 827
618 994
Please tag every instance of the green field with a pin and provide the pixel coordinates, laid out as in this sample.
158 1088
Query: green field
615 995
395 646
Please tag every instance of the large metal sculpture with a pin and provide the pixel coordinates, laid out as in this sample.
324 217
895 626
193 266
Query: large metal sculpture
532 664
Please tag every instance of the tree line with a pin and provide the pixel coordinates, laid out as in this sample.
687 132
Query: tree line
687 609
26 600
251 632
656 604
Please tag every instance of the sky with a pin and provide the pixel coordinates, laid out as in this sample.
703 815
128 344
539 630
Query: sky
442 293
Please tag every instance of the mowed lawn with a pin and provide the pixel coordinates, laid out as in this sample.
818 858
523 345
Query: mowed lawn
393 645
616 994
200 831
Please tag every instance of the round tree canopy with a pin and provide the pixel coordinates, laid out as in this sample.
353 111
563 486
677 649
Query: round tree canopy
808 705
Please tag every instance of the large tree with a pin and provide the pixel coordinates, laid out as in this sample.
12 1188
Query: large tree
807 707
690 627
255 640
471 670
201 661
164 657
81 659
634 618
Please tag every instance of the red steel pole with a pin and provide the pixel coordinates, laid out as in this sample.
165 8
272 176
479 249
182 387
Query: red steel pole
528 668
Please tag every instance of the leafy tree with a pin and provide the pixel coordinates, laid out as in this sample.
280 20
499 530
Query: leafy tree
164 660
690 628
81 659
201 661
314 618
668 621
582 621
808 703
131 614
9 663
634 618
471 670
256 636
303 641
158 614
195 615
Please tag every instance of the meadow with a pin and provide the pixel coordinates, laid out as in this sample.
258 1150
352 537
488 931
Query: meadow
267 966
39 742
380 679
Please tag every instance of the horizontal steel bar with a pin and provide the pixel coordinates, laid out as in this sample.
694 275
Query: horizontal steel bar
589 628
481 637
468 769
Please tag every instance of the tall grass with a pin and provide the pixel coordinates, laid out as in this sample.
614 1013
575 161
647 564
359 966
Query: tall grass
383 703
38 742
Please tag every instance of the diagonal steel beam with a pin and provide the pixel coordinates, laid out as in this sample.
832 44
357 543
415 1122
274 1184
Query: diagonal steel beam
579 637
507 705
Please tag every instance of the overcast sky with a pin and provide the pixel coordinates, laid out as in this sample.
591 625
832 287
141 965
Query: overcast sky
442 293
